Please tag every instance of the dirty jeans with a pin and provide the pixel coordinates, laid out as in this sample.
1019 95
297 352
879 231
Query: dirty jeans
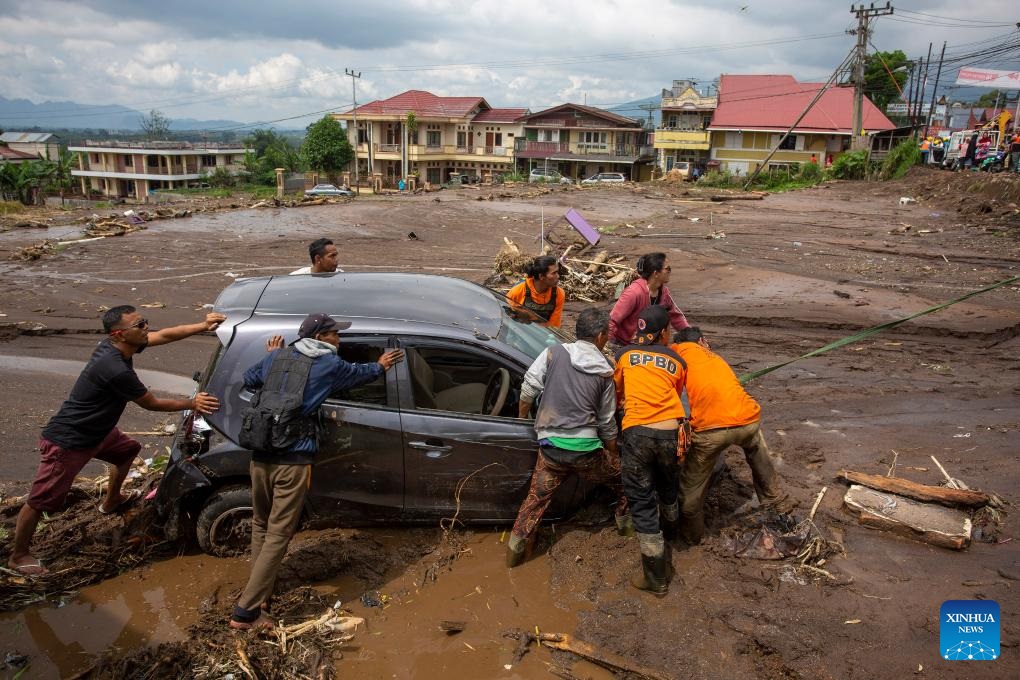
598 467
649 474
706 447
278 496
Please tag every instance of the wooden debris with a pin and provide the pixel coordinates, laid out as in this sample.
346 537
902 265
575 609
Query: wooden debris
613 662
920 492
738 197
953 483
941 526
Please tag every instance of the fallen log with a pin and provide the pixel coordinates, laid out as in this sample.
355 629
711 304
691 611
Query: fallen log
597 261
603 658
920 492
738 197
934 524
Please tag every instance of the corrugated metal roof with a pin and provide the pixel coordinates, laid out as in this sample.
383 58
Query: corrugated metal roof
600 113
774 102
26 137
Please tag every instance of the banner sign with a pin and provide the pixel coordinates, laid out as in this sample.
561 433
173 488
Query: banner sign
984 77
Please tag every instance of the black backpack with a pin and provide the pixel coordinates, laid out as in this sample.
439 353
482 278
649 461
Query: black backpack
272 423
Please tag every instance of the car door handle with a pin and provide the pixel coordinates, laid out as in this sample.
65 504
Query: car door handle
433 448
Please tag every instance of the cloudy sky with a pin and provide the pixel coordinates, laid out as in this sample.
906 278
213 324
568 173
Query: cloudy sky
253 61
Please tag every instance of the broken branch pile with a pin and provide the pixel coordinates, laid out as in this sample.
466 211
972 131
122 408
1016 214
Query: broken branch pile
587 279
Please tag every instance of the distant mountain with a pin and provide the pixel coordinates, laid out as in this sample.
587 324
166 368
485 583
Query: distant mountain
633 109
21 113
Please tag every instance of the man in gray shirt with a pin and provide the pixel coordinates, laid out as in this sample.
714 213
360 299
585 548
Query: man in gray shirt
575 425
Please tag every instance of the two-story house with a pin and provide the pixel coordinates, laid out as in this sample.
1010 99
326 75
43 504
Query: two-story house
132 169
683 133
579 141
754 111
445 135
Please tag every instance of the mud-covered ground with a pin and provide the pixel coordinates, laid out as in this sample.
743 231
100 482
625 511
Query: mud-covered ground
782 276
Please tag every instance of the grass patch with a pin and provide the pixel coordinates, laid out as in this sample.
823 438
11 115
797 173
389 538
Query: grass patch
901 158
11 207
787 179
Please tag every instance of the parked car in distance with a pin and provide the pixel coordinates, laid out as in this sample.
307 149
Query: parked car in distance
396 450
683 168
328 190
541 175
605 177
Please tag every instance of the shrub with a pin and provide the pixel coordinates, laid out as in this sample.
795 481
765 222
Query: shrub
810 171
851 165
9 207
716 178
900 158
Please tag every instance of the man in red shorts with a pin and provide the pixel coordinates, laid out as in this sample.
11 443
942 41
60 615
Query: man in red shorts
85 427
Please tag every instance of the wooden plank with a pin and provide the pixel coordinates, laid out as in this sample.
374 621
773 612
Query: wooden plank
920 492
934 524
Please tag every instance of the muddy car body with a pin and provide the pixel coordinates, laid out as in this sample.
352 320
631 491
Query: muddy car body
437 436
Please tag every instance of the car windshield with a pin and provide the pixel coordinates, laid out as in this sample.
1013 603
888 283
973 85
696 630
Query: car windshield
521 330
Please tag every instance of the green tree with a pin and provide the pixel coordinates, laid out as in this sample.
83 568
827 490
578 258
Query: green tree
326 147
885 75
989 99
59 175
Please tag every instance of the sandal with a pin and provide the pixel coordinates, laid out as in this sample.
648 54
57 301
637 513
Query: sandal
32 568
129 498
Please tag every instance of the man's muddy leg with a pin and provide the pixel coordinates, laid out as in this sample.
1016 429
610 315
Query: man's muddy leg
28 520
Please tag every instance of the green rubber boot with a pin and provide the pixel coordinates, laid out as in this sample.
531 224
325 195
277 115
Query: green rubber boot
515 551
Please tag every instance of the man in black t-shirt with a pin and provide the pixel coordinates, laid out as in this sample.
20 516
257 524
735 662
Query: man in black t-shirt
85 427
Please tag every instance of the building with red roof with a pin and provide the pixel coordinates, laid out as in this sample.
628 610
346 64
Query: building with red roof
448 136
580 141
754 111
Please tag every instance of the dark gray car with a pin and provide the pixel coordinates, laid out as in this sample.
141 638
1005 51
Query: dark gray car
438 435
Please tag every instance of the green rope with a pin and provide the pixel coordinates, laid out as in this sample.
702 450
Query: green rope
747 377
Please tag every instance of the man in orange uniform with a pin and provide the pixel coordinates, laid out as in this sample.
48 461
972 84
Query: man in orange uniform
649 379
722 414
538 293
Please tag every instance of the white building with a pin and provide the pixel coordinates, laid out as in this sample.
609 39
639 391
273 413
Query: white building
133 169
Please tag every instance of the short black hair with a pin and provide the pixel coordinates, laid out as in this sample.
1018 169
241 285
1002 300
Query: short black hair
591 322
650 263
689 334
317 248
540 266
112 316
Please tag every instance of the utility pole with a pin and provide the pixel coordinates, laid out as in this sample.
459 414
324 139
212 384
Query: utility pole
357 134
863 14
934 91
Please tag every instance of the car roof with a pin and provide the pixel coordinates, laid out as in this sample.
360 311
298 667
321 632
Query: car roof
425 299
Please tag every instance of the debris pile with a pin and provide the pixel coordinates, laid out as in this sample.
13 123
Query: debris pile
308 646
592 279
34 252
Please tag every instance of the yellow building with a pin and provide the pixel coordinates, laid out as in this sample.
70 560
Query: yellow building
444 136
683 135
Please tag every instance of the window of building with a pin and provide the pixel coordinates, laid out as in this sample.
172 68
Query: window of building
433 138
548 135
789 144
362 134
152 161
461 139
209 161
592 138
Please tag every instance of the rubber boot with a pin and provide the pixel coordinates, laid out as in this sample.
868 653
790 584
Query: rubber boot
625 525
654 576
515 550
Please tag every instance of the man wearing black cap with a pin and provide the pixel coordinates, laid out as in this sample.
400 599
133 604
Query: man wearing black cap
280 479
649 379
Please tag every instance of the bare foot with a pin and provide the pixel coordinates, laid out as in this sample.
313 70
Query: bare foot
123 501
261 623
27 565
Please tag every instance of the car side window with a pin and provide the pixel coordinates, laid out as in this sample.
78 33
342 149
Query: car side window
452 379
373 393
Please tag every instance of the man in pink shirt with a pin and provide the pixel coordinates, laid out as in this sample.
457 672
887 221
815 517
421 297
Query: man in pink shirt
654 270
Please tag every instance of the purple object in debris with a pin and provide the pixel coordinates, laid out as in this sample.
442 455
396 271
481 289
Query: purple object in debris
583 228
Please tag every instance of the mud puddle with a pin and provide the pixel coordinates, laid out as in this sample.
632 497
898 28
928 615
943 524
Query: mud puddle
402 637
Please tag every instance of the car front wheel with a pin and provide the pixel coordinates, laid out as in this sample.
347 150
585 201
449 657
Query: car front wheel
224 523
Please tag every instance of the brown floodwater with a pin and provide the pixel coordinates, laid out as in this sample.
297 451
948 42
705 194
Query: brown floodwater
402 639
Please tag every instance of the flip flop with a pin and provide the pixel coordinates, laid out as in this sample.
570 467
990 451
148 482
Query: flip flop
33 568
129 498
263 622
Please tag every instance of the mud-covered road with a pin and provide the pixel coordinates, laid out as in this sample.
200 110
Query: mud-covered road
782 276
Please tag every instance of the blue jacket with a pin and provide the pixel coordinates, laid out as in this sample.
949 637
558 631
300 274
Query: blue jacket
329 374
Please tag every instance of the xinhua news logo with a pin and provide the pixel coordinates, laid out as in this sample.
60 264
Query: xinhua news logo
969 630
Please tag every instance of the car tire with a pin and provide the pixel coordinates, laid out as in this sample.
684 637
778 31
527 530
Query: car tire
223 527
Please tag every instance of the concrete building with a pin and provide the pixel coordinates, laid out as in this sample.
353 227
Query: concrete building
450 135
44 145
579 141
131 170
754 111
683 134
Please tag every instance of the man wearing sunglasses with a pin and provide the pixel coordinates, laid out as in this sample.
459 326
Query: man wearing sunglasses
85 427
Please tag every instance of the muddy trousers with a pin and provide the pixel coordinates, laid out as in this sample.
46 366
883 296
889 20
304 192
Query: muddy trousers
649 475
278 496
706 447
599 467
